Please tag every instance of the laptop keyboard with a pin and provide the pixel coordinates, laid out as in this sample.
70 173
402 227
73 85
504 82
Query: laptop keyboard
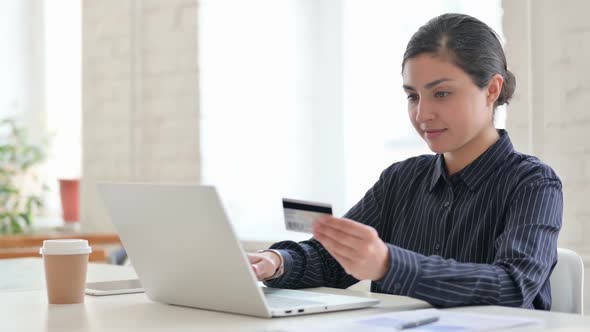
282 298
287 302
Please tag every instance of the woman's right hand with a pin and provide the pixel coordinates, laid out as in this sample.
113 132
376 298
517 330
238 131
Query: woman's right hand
264 264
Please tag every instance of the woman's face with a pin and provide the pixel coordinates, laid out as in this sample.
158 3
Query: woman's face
446 108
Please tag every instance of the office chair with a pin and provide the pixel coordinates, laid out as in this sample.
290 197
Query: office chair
118 256
567 283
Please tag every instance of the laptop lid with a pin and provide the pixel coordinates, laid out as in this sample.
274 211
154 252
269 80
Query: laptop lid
183 247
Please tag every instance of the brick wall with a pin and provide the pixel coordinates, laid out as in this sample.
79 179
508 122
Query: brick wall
548 46
140 118
550 116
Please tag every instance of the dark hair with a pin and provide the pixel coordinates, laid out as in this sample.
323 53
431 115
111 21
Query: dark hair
471 44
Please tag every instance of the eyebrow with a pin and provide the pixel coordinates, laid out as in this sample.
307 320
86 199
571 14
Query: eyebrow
428 85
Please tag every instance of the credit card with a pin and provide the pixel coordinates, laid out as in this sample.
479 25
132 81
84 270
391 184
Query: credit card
300 215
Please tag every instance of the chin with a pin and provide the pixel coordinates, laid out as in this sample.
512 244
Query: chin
437 148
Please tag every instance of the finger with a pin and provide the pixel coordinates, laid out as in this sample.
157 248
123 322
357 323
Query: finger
338 235
256 270
266 266
261 270
335 245
345 262
348 226
253 258
256 262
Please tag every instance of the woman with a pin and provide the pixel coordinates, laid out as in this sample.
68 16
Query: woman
477 223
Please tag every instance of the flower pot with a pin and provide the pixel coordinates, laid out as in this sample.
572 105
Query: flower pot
69 190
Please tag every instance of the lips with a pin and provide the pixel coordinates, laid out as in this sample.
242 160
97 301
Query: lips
434 133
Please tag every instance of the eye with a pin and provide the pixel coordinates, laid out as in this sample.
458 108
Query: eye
441 94
412 98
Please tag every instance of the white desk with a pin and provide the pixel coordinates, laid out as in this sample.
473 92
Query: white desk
23 306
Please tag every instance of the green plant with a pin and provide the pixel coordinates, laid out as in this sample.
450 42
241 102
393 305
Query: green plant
20 187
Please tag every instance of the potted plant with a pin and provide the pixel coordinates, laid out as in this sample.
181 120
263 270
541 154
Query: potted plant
20 185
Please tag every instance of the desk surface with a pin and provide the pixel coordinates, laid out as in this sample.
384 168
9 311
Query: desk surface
23 306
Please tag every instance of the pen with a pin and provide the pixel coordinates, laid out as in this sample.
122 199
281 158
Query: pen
420 322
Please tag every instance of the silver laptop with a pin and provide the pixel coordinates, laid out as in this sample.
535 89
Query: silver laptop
186 253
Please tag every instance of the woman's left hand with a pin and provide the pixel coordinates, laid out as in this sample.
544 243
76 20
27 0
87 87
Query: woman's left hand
357 247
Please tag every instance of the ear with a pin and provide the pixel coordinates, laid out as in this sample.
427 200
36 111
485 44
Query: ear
494 88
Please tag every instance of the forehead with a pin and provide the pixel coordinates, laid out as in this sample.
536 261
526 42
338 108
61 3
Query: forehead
426 68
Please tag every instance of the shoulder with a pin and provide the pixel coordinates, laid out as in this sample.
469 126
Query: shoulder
526 170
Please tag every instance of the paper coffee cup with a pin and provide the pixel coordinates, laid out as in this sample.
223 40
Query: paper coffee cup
66 262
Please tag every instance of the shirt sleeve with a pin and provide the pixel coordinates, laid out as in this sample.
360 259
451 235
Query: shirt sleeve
526 253
308 263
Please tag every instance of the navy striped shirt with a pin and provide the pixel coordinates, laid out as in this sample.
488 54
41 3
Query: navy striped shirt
485 235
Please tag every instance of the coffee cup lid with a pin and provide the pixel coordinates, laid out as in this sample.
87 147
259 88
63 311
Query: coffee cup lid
65 247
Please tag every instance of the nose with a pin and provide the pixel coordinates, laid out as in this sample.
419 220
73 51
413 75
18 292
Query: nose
423 112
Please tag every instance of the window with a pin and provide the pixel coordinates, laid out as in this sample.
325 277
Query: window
41 83
303 99
63 95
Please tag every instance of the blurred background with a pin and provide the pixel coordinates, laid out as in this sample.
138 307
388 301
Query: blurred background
262 98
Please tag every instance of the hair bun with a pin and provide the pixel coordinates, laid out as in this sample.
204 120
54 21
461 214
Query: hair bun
507 89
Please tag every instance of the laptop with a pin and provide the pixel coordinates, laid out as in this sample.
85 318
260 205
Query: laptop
186 253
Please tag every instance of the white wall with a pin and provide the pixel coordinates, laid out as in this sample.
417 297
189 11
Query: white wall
548 47
140 119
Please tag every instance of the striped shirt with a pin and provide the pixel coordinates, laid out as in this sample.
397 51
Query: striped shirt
485 235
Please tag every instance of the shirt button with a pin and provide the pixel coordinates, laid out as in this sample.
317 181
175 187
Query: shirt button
446 204
437 246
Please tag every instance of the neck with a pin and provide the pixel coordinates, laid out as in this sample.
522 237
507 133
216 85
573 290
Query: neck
465 155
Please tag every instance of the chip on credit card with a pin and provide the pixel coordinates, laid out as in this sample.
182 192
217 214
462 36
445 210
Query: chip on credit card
300 215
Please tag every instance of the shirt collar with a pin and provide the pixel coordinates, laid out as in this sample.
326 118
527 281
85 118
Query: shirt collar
476 172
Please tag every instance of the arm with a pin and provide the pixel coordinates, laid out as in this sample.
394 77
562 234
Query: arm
526 253
309 264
